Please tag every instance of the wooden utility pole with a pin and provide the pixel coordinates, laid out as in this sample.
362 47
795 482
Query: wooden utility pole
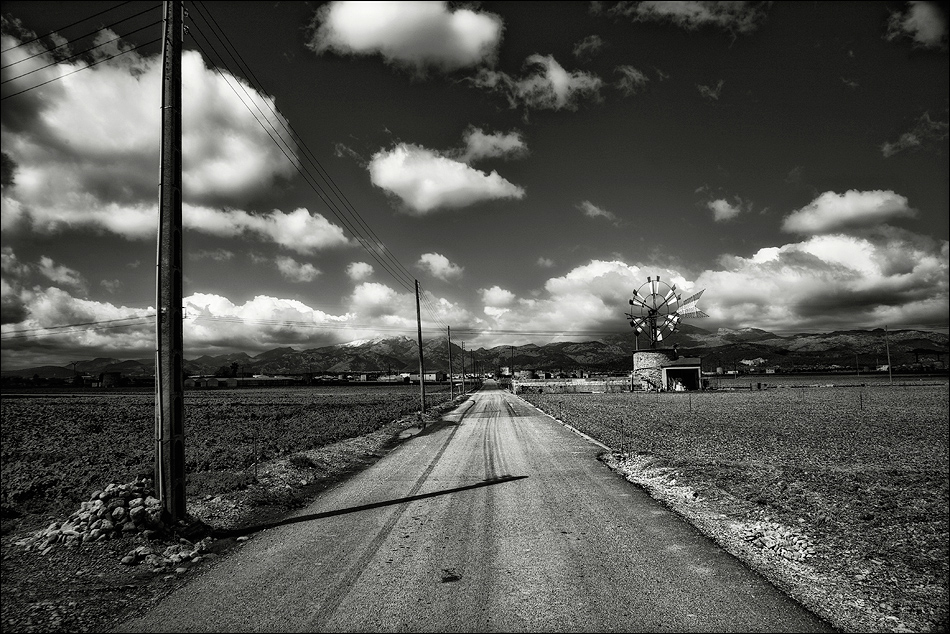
451 374
463 367
887 347
422 368
169 383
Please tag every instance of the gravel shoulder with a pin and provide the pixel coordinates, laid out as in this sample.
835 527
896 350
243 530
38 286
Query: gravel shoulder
86 588
811 573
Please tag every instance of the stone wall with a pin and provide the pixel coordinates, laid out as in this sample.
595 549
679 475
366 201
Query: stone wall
647 367
572 386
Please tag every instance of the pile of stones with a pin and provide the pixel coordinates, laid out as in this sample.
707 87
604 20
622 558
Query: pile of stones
179 556
118 510
778 539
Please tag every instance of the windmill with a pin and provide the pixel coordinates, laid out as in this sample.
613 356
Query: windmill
656 309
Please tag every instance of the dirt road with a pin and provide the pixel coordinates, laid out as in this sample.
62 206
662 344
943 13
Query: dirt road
511 524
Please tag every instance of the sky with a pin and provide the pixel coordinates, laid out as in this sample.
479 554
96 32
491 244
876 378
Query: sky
529 164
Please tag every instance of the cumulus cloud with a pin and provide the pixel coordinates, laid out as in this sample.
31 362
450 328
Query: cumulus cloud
496 297
824 282
480 145
12 274
831 212
357 271
213 323
111 285
592 296
591 210
550 87
734 17
925 23
925 133
27 339
299 230
437 265
588 47
545 263
426 180
414 35
832 281
85 149
711 93
296 271
631 80
723 210
61 274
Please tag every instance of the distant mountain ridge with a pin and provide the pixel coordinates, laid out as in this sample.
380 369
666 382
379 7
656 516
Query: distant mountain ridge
724 348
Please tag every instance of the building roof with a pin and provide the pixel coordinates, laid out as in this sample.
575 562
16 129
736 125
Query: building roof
682 361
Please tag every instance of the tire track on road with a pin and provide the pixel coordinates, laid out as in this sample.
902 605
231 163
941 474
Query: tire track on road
335 597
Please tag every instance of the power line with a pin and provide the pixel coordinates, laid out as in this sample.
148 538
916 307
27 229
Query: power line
284 148
86 323
91 48
76 39
309 158
360 229
106 59
321 171
38 37
36 335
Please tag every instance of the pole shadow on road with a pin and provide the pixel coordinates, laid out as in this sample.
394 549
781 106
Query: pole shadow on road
238 532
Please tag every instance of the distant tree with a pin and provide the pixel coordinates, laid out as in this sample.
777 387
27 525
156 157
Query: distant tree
234 368
223 371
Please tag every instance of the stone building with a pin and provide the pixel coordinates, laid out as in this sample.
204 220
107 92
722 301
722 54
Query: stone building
666 370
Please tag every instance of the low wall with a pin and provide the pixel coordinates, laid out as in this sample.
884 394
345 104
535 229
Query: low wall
572 386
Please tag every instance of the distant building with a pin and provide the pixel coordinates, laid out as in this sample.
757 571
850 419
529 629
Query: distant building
665 370
110 379
429 376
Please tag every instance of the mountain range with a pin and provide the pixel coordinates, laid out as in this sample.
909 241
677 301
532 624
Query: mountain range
727 348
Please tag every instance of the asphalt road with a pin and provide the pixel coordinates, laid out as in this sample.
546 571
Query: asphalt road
524 530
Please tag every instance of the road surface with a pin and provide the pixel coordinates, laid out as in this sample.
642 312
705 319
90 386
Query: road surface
524 531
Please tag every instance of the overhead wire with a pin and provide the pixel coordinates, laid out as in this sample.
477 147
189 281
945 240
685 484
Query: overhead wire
34 335
66 59
39 37
86 323
359 227
299 164
287 151
95 63
391 264
81 37
205 13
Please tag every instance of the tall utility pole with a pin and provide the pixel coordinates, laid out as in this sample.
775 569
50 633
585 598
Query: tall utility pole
169 384
887 347
422 367
451 374
463 367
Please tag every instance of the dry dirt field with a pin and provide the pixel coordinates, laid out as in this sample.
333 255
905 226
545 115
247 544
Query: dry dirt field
840 495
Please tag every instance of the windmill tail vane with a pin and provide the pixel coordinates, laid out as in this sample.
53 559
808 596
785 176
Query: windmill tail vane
656 309
688 307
